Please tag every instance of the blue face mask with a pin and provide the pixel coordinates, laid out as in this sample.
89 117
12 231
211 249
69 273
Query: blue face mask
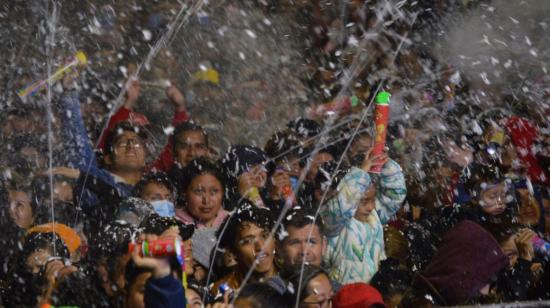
163 208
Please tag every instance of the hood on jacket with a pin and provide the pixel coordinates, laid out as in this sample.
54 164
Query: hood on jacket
466 260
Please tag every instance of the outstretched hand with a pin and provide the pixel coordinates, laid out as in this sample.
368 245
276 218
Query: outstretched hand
132 93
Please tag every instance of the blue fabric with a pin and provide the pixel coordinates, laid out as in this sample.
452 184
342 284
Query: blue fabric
80 155
166 292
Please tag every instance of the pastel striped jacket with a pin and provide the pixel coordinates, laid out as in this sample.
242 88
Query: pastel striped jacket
355 249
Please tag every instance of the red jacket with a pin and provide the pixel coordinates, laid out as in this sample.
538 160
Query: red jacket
523 134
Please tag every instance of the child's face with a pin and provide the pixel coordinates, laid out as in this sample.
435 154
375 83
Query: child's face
529 213
366 205
510 250
493 199
251 240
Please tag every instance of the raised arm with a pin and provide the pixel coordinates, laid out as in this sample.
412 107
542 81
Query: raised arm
391 191
165 160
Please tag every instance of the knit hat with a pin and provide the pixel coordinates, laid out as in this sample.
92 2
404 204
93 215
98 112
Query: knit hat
204 241
357 295
67 234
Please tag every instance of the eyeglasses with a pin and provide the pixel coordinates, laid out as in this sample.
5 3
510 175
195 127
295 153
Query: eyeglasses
127 143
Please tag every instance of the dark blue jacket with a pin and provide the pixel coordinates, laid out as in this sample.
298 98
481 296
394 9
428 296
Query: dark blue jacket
166 292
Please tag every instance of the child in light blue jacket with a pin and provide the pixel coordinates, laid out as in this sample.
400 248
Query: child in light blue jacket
354 217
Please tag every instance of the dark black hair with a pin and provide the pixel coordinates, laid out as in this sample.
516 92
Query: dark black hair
159 177
188 127
293 274
391 279
329 176
299 217
182 177
44 240
261 295
114 134
156 224
246 212
483 175
111 242
282 144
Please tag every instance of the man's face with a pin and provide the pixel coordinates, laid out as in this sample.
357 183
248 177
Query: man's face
317 161
155 192
299 247
250 241
189 145
128 153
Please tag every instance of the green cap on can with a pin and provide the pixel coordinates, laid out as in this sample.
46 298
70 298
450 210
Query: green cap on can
383 98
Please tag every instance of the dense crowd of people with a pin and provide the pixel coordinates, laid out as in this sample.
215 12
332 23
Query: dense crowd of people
459 213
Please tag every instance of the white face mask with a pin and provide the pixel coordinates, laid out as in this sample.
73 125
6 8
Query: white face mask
163 208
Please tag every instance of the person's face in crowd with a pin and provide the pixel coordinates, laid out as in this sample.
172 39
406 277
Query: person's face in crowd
256 176
134 298
20 208
298 246
63 191
394 300
190 144
510 249
193 298
546 204
128 153
37 259
529 212
360 145
156 192
291 165
319 293
249 246
204 197
199 272
317 161
366 205
459 156
493 199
